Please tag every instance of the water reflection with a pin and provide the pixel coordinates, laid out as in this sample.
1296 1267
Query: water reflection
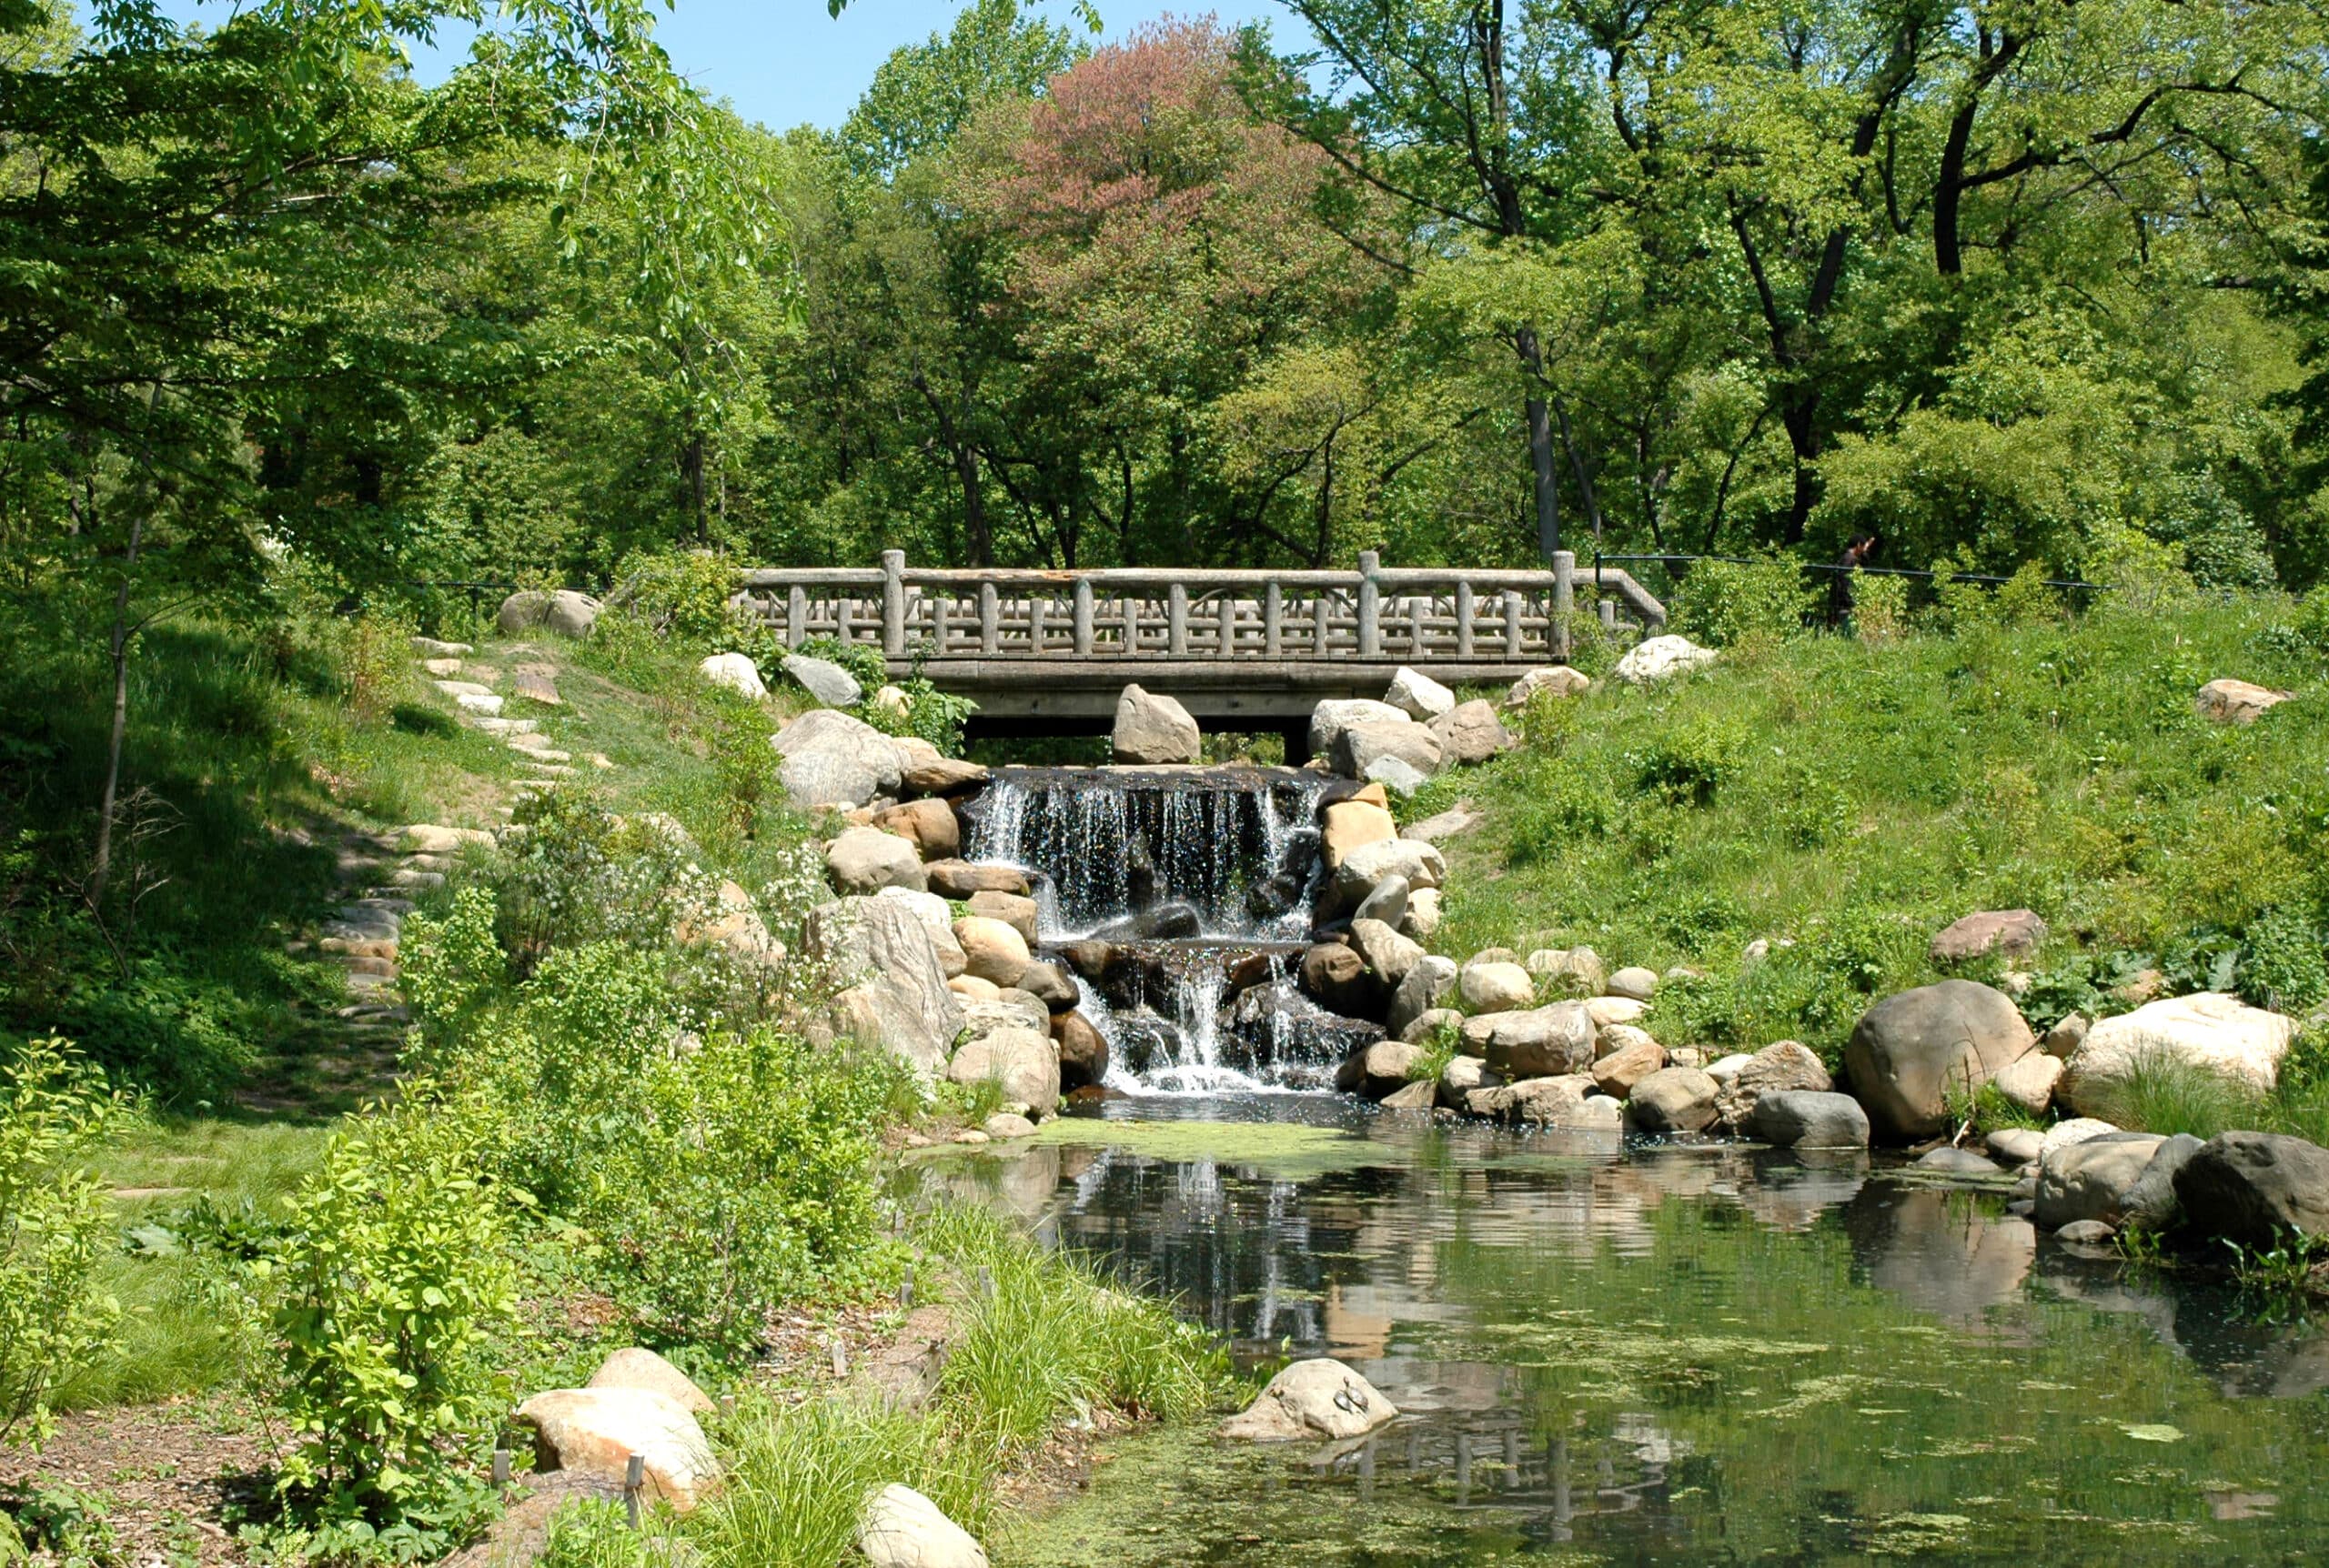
1664 1353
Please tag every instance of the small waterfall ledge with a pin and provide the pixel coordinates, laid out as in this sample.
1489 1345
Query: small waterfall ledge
1179 900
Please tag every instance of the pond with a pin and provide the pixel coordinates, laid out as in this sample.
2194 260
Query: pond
1657 1354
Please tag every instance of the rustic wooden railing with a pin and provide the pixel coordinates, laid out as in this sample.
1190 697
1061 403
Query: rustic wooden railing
1426 615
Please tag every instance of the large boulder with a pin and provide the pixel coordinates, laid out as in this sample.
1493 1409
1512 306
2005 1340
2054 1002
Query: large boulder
2209 1031
901 1528
593 1433
1428 982
1634 982
1658 657
1676 1099
2010 933
1808 1118
1617 1072
1025 1061
1362 868
1153 728
1378 1070
736 671
565 612
1784 1066
1555 679
991 949
960 878
1020 914
1082 1051
2252 1186
867 859
930 826
1336 978
1910 1050
1312 1399
1332 716
1495 987
1418 696
1539 1042
1387 903
2091 1180
1567 1101
639 1367
1462 1076
936 918
920 774
892 983
1360 746
1349 825
2029 1083
1387 953
833 759
2237 701
1469 733
824 679
2149 1204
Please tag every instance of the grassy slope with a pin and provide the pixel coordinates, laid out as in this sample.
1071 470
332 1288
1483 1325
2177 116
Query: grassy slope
256 751
1852 798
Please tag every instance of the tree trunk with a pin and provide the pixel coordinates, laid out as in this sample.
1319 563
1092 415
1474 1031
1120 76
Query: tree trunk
1540 447
101 864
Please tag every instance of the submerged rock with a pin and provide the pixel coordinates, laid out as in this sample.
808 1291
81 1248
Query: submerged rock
1316 1398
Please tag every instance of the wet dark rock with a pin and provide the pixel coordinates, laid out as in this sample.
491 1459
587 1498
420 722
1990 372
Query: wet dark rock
1272 897
2249 1187
1050 985
1337 979
1808 1118
1378 1070
1949 1161
1082 1051
1148 1041
1163 923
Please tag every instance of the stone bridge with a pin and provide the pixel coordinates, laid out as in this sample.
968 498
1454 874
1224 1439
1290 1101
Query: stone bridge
1048 652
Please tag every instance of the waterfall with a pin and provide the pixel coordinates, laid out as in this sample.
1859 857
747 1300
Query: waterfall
1160 890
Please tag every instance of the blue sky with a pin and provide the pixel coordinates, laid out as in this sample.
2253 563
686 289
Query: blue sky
785 63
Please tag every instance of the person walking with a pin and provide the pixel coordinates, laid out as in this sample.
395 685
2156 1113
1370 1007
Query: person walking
1839 584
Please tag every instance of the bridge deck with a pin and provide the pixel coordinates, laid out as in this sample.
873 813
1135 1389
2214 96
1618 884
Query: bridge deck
1048 652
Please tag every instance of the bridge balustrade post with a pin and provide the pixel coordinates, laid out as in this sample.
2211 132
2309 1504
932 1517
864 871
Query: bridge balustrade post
1083 617
1515 604
1563 599
989 618
1176 620
1272 619
1609 615
796 617
1039 606
1130 607
1321 616
1370 605
942 621
1228 614
1464 618
894 603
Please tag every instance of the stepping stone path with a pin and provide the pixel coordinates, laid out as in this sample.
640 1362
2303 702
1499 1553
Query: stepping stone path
379 873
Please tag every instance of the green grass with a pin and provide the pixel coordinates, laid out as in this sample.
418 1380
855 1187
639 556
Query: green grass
1038 1336
1846 799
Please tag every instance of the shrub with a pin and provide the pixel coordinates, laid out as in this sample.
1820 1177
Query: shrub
53 1225
2312 619
1689 763
735 1176
580 874
680 594
2284 966
1725 603
391 1277
1879 607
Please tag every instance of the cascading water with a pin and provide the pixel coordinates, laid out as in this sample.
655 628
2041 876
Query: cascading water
1179 898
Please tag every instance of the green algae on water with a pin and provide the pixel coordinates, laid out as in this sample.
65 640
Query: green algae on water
1281 1149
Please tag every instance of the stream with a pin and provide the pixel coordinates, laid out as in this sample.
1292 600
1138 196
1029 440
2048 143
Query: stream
1656 1354
1604 1350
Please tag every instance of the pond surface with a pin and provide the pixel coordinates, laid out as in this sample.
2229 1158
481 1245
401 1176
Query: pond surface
1649 1354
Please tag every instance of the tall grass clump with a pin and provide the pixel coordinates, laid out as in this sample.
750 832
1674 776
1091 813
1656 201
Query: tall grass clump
1047 1333
797 1480
2161 1094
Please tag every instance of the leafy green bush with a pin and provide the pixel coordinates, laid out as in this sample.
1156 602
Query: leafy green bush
2284 966
1688 765
54 1223
392 1273
1725 603
680 594
1879 606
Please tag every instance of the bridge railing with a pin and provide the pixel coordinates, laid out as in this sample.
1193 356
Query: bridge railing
1412 614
